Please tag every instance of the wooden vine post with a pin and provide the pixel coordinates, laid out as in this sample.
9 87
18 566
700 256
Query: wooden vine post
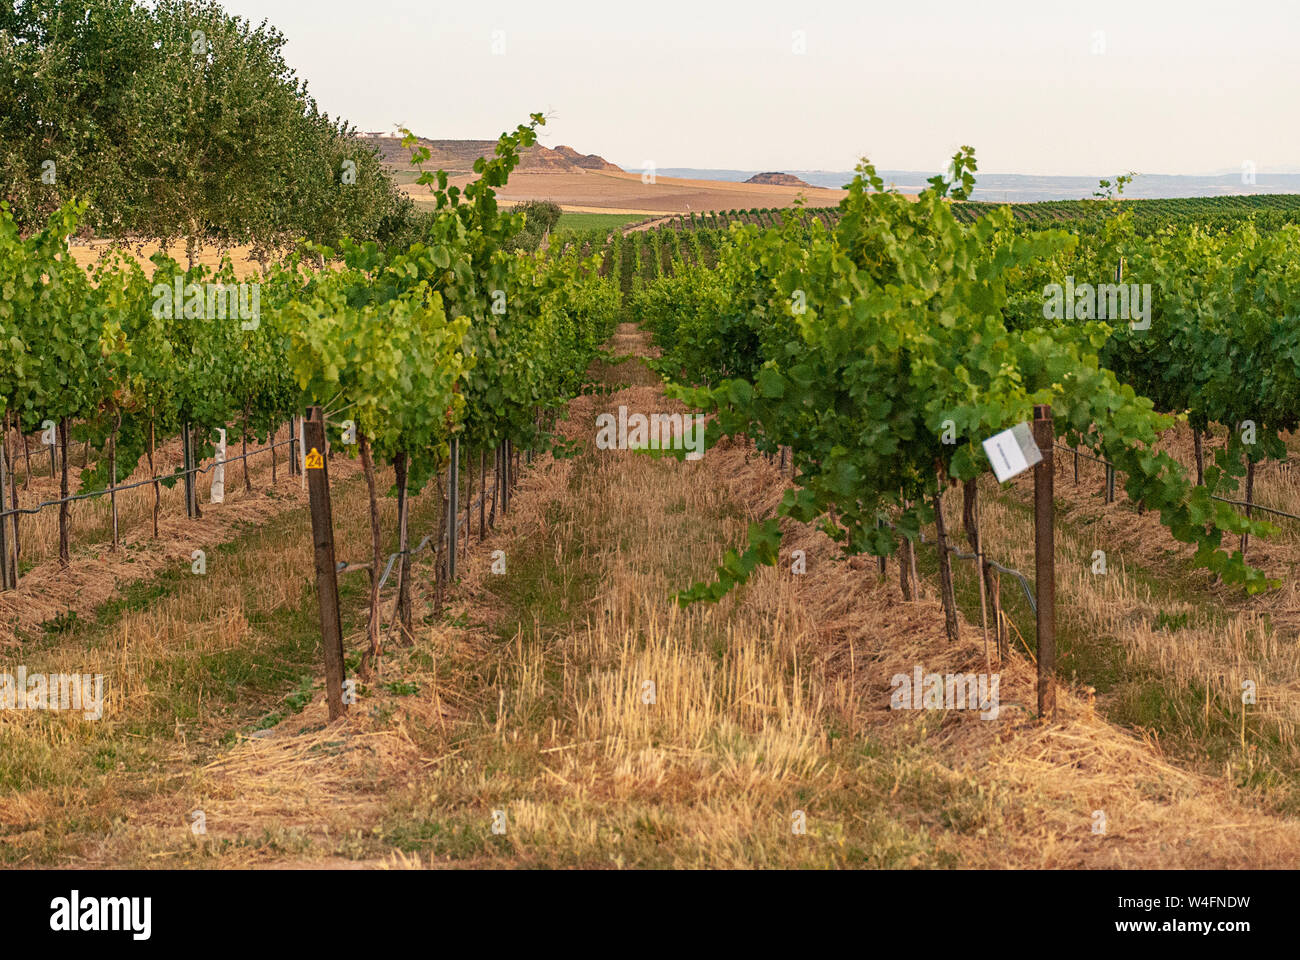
65 552
322 529
1045 561
15 546
946 591
112 477
453 506
999 619
1250 495
187 461
7 575
970 504
505 477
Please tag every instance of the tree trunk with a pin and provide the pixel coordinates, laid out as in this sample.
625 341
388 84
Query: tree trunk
945 568
404 612
482 495
1200 457
65 554
275 428
376 555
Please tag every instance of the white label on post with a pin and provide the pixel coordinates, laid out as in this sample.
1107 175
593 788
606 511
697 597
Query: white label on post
219 471
1012 451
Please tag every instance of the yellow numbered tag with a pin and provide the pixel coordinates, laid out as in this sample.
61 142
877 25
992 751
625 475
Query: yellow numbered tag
314 460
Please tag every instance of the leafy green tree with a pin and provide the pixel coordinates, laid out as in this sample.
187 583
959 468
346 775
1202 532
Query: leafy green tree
540 218
178 120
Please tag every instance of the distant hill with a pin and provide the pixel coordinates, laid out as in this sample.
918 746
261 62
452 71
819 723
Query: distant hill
588 161
458 156
778 179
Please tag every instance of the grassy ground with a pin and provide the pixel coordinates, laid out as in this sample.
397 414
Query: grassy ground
568 703
595 221
191 665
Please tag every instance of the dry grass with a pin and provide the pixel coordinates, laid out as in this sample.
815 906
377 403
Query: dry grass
620 192
97 573
209 255
530 696
190 670
1186 643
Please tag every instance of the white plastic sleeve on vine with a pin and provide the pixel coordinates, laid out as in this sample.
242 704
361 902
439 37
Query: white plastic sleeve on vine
302 455
219 470
1012 451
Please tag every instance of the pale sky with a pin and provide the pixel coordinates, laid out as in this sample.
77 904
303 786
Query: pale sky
1179 86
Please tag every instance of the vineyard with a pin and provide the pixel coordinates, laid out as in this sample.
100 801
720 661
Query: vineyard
481 573
729 295
120 363
425 520
1147 216
1152 214
876 368
950 349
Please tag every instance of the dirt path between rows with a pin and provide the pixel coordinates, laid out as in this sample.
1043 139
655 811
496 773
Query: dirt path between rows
647 225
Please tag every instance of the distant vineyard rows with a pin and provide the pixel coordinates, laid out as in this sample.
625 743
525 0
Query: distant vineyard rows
1269 211
696 239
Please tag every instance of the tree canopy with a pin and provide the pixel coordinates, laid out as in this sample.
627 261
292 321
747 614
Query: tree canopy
177 120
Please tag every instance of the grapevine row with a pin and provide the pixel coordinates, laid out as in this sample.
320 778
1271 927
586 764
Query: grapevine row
456 336
882 351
